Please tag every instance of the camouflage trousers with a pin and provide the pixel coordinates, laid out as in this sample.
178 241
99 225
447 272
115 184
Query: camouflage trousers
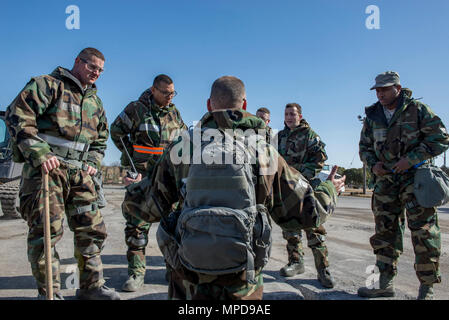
393 194
187 285
71 191
315 240
135 212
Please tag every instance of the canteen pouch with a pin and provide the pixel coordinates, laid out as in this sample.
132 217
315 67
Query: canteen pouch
431 186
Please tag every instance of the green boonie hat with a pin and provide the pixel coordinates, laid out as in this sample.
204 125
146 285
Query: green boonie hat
386 79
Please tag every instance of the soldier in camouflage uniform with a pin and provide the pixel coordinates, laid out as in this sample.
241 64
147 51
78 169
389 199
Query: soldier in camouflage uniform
399 133
59 127
303 149
293 197
146 127
264 114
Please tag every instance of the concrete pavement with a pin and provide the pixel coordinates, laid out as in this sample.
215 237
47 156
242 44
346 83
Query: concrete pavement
350 256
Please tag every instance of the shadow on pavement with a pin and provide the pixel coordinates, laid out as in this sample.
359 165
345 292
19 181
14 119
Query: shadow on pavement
152 296
151 261
17 283
18 298
310 288
282 295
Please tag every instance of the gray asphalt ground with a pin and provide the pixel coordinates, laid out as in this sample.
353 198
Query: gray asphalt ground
350 255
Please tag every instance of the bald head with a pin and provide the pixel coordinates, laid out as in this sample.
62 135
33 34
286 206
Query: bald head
227 93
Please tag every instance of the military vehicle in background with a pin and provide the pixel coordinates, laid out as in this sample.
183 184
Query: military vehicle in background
10 174
113 174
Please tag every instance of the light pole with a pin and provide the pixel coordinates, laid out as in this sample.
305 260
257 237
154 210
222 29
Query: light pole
362 119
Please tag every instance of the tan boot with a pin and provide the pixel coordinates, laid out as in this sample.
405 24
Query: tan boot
325 278
292 268
386 288
134 283
101 293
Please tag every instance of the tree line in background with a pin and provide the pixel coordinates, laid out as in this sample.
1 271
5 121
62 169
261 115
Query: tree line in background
354 176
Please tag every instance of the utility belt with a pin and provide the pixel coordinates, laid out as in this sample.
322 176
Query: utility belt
74 154
66 150
73 163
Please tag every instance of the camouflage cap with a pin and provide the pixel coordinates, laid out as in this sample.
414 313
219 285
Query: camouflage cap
386 79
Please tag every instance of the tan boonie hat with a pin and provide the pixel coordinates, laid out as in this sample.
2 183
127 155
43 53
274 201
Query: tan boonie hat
386 79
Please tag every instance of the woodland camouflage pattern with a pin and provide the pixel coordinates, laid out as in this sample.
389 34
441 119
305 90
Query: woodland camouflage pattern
88 227
57 105
64 110
294 201
417 134
303 149
142 123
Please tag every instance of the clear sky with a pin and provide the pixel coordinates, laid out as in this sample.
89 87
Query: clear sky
317 53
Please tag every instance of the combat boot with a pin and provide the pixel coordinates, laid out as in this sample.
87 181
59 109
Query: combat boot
325 278
292 268
101 293
134 283
425 292
386 288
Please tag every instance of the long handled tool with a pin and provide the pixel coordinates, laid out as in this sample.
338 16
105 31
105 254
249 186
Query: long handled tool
130 174
47 240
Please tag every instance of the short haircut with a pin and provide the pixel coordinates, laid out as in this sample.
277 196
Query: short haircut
86 53
263 110
227 92
294 105
162 78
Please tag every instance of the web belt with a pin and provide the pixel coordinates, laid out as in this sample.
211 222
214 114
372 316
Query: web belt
83 209
74 163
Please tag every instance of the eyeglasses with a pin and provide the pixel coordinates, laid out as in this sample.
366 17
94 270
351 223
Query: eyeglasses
167 93
91 67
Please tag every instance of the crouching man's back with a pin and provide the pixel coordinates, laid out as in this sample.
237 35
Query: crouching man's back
221 172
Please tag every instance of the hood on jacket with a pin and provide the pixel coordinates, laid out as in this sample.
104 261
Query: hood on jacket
303 124
375 111
232 119
61 73
146 98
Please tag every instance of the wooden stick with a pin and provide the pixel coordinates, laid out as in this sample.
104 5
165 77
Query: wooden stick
47 241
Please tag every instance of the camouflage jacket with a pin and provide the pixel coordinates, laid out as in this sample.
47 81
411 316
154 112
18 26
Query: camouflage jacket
269 134
414 132
56 105
303 149
146 130
293 197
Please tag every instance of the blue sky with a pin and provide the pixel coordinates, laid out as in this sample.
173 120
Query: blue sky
316 53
